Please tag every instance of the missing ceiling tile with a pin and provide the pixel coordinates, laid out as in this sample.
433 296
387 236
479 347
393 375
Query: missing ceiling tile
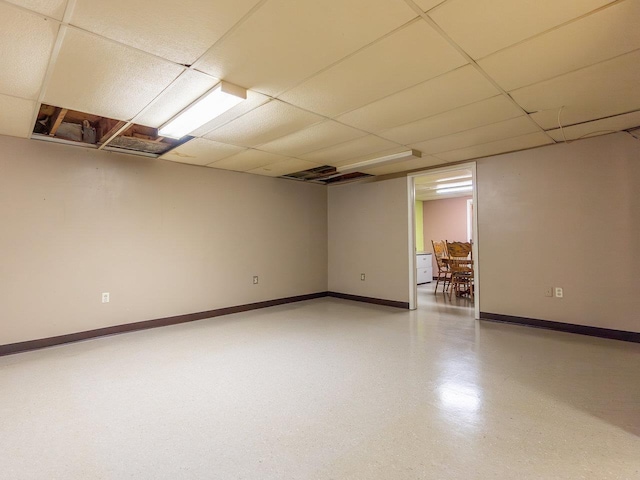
326 175
83 129
312 173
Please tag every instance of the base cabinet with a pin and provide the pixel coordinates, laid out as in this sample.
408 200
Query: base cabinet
424 269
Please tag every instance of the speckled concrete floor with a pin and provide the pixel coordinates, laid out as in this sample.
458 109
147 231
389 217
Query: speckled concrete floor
325 389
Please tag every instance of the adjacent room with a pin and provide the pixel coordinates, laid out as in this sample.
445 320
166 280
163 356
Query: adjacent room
346 239
445 221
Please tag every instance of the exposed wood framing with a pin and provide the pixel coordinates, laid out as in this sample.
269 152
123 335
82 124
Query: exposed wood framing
111 131
57 118
116 134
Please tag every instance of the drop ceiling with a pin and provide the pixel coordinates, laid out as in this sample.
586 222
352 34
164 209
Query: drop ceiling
427 185
333 82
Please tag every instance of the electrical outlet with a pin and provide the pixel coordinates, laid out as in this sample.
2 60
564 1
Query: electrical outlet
559 292
105 297
548 292
255 279
362 277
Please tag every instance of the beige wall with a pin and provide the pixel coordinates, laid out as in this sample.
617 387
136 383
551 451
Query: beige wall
163 238
166 239
368 233
444 219
567 216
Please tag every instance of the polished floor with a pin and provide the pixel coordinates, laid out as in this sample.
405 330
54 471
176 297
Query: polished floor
326 389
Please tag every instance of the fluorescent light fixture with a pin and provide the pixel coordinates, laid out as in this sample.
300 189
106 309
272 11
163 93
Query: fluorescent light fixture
442 191
466 183
212 104
376 162
459 177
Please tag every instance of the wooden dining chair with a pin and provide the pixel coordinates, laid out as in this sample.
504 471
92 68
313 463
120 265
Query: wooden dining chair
461 267
444 274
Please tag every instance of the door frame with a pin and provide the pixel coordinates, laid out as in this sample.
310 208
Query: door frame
411 199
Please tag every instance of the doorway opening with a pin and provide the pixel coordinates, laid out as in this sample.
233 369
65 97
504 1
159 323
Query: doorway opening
442 210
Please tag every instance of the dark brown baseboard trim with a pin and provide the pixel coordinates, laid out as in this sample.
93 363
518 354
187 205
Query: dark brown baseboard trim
377 301
160 322
564 327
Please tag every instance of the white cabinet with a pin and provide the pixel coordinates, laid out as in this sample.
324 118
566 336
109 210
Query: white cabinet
424 269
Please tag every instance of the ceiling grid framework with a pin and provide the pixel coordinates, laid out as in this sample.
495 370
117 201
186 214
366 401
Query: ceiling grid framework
330 83
470 59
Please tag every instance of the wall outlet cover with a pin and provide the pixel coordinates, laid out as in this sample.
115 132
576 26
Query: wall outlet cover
255 279
105 297
559 292
362 277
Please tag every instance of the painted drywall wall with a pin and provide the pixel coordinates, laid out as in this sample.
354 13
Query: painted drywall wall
566 215
420 246
162 238
369 233
444 219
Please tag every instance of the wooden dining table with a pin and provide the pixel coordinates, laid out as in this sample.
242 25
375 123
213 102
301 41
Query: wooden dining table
457 261
463 264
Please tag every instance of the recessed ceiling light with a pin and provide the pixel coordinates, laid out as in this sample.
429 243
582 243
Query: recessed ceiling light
212 104
454 184
442 191
459 177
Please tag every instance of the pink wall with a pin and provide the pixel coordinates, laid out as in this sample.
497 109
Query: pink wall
444 220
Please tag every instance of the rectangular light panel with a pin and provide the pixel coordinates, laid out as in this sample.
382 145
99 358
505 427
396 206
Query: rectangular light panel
221 98
387 159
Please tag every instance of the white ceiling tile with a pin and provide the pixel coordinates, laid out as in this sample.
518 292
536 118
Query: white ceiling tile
26 41
598 127
427 5
476 136
597 37
50 8
480 113
315 137
481 28
268 122
178 31
94 75
184 91
338 154
290 165
15 119
446 92
601 90
248 160
409 56
404 166
513 144
253 101
286 41
200 151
